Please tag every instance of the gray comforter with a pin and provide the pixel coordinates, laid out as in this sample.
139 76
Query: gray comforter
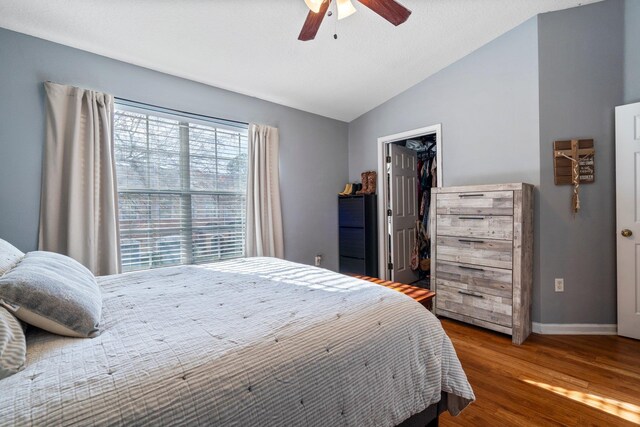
247 342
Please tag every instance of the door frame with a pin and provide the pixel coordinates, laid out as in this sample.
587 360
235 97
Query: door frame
383 228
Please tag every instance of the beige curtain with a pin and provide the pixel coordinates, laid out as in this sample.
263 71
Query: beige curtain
264 215
79 201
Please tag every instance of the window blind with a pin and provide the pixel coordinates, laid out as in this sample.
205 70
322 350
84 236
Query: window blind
181 186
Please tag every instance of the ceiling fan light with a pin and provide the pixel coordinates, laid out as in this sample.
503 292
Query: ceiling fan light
345 9
314 5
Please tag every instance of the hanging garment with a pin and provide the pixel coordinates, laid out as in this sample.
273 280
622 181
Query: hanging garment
427 228
415 258
422 236
418 183
434 175
424 176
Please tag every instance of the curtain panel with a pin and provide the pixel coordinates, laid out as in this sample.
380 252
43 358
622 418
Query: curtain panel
264 214
79 200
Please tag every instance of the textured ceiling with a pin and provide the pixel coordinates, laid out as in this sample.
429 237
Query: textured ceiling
251 46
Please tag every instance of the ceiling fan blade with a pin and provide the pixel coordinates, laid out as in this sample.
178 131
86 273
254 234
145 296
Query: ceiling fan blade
390 10
312 24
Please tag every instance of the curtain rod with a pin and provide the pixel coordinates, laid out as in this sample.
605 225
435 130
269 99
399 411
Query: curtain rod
186 113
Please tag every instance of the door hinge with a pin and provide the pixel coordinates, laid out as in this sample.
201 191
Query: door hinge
389 212
390 266
388 159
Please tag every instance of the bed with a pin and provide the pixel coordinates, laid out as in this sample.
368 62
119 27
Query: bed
255 341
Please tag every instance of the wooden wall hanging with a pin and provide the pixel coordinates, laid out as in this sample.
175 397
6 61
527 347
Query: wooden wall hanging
574 164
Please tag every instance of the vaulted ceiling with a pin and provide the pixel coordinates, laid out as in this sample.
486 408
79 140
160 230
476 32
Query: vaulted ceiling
251 46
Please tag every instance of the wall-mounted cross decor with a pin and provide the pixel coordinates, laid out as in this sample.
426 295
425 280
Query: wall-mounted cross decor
574 164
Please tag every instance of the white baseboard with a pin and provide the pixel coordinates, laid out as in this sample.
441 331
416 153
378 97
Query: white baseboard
574 329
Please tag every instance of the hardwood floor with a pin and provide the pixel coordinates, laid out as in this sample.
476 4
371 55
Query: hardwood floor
550 380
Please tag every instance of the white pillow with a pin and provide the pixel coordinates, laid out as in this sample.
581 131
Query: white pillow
9 256
54 293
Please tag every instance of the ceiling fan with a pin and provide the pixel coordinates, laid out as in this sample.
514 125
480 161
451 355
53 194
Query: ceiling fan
390 10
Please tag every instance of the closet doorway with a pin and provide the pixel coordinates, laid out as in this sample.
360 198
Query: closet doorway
409 165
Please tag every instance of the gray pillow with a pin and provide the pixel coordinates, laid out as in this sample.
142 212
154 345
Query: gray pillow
13 346
9 256
54 293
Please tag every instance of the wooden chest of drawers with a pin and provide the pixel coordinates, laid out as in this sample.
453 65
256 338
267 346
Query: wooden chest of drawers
482 255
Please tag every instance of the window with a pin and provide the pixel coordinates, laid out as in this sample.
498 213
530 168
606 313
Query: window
181 187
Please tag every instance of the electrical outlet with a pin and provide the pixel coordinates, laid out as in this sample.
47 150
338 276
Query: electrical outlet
559 285
318 260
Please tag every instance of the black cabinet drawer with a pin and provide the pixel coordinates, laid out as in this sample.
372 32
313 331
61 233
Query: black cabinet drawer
351 212
352 265
352 242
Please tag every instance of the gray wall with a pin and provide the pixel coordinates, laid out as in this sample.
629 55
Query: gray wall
581 64
313 153
488 106
557 76
632 51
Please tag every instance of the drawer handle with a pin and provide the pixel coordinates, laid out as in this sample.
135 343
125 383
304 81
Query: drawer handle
471 217
470 241
471 294
471 195
464 267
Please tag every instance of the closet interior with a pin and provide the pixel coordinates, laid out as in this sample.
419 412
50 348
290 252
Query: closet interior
412 246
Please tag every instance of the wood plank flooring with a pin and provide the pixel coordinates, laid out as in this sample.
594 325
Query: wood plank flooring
548 381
